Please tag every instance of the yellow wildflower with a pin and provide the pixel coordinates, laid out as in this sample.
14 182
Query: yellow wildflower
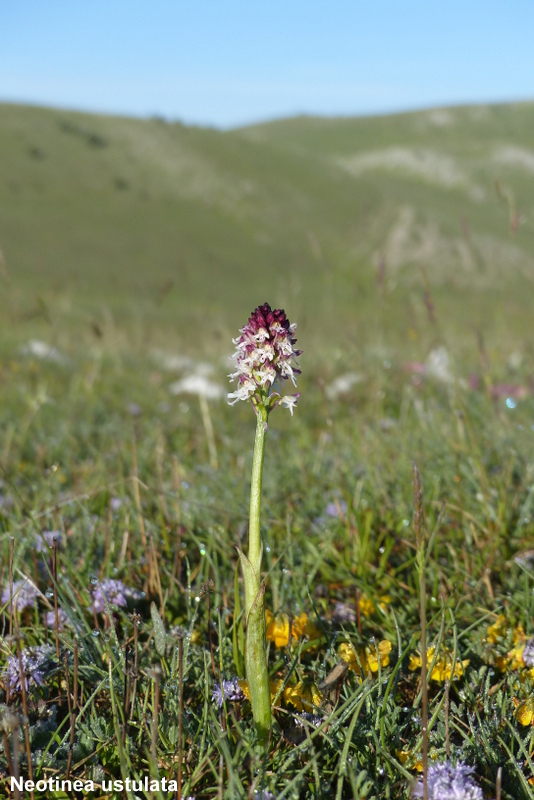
406 756
525 711
273 687
368 606
278 628
519 635
515 658
312 630
497 630
196 636
443 668
304 696
365 657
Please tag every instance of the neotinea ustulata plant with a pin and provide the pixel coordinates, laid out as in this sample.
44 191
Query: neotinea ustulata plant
265 357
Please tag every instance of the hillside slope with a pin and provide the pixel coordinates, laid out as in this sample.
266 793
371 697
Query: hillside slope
148 217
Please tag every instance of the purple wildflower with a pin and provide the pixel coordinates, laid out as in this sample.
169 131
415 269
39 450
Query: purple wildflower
34 667
115 592
528 653
45 541
344 613
336 509
228 690
62 619
110 590
446 782
264 354
24 595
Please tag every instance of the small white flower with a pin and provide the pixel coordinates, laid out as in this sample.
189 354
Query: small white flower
197 384
289 401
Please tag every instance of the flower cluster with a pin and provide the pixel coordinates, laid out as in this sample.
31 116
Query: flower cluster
111 592
521 655
274 688
446 782
34 668
44 542
62 619
304 696
227 690
24 595
367 658
442 663
280 629
410 758
264 355
525 711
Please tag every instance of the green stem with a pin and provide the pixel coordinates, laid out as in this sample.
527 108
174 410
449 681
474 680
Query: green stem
256 667
254 537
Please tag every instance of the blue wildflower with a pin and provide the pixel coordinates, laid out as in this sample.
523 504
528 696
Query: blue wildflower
448 782
35 665
23 596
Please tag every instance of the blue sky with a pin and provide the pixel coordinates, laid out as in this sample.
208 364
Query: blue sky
230 62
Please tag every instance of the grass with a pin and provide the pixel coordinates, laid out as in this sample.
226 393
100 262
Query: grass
72 450
151 489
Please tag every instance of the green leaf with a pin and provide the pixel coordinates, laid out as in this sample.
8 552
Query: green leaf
238 636
159 630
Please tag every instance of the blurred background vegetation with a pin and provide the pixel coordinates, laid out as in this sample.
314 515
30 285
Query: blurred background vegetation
153 233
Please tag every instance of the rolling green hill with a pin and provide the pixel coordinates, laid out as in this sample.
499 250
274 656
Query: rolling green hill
174 226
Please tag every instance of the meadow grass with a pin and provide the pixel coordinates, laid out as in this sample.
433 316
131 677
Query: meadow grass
97 449
132 250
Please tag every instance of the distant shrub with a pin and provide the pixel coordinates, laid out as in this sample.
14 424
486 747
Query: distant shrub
36 153
91 138
121 184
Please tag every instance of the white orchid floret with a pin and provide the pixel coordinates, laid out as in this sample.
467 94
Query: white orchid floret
262 335
289 401
285 348
287 372
243 392
265 375
266 352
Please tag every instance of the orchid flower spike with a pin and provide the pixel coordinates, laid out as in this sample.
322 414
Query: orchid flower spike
265 356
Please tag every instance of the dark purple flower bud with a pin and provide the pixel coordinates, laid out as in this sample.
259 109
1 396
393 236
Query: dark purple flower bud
265 354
